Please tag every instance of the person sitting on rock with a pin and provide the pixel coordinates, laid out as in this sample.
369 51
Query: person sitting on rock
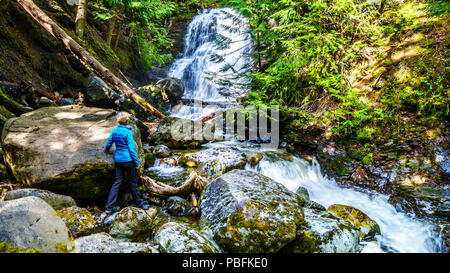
126 161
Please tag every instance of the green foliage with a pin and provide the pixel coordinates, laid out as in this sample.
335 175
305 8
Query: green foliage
439 7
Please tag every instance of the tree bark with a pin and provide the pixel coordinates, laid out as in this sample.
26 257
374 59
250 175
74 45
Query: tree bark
80 19
194 183
112 24
85 56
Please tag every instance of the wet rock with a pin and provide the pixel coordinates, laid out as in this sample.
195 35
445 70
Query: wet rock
442 158
66 101
314 205
172 87
167 162
149 160
255 159
78 220
161 151
30 222
61 149
177 206
133 225
214 162
324 233
57 201
181 133
173 237
303 193
98 93
249 212
368 228
137 248
97 243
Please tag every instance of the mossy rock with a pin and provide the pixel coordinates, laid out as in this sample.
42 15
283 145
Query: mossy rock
149 160
133 225
255 159
78 220
368 227
57 201
249 212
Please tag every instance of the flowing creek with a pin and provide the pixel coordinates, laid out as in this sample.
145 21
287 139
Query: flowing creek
399 232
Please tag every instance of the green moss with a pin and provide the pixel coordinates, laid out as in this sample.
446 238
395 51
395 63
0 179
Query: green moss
6 247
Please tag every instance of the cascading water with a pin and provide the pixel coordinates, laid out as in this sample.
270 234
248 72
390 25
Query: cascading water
399 232
195 66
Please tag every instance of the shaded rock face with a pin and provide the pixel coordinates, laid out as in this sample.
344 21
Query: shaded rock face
181 133
172 87
98 93
161 151
61 149
97 243
57 201
214 162
133 225
249 212
30 222
324 233
367 227
78 220
177 206
175 237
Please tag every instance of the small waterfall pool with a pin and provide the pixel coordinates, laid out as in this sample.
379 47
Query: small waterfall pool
399 232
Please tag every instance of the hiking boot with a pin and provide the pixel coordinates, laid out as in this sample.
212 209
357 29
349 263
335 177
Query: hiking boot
112 209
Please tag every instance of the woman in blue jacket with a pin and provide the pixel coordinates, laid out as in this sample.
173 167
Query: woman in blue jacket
126 161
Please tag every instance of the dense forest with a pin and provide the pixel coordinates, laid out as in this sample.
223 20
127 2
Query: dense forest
363 92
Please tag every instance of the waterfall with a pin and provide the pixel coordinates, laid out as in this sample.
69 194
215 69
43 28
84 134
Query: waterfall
399 232
196 67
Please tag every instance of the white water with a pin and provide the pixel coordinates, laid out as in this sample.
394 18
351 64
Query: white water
399 232
194 67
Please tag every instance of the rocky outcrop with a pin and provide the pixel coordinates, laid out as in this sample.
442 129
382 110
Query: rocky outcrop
172 87
133 225
30 222
324 233
367 227
181 133
214 162
61 149
98 93
249 212
78 220
174 237
57 201
97 243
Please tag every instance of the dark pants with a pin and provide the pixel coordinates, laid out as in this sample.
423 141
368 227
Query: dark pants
130 169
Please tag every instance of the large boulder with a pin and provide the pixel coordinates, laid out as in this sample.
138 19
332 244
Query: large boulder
98 92
173 88
61 149
173 237
214 162
368 228
57 201
182 133
30 222
324 233
133 225
97 243
249 212
78 220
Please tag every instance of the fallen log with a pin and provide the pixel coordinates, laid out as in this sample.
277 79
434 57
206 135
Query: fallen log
194 183
48 24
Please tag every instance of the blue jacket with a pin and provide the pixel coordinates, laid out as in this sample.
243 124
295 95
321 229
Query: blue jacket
122 136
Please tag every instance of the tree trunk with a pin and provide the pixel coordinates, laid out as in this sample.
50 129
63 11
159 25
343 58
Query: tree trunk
80 19
194 183
85 56
112 24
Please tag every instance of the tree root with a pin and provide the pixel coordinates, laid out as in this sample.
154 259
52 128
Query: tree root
194 183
